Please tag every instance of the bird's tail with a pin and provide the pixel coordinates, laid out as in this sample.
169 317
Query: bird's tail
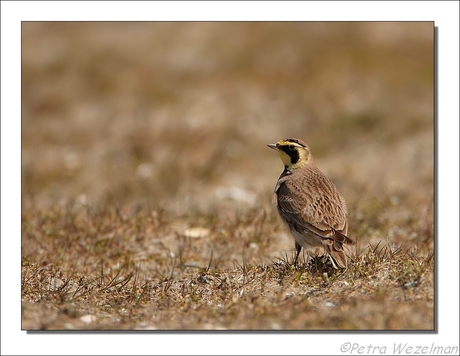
334 248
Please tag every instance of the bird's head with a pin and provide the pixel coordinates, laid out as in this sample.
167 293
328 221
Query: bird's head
293 152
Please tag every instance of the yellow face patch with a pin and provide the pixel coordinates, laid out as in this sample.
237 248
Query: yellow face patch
294 153
285 158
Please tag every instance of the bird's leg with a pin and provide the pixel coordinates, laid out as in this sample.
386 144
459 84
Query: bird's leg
297 248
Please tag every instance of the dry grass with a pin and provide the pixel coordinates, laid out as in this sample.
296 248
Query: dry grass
147 183
137 271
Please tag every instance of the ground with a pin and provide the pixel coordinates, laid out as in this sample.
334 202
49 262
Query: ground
147 183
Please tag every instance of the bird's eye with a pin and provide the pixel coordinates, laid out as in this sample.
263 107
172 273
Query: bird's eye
291 147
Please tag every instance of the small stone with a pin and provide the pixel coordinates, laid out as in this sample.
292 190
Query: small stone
145 326
196 232
88 319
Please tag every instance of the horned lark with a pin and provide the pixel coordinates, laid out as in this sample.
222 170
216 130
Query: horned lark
309 203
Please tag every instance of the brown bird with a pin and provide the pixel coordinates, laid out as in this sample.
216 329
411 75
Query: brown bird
310 204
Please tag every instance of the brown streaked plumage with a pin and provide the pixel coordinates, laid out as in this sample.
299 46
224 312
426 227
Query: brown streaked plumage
310 204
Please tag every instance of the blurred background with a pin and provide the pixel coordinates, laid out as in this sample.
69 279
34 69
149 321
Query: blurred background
179 114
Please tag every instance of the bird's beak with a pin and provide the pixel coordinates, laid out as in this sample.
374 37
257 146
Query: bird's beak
273 145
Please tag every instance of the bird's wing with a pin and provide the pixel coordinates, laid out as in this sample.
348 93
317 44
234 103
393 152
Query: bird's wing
305 209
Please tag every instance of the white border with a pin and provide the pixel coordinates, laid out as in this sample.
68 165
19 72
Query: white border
445 15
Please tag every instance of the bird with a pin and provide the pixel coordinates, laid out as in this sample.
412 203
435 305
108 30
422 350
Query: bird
310 204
